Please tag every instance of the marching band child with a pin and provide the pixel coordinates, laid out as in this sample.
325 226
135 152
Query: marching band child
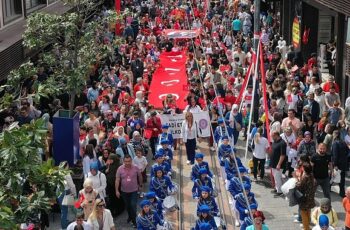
207 199
203 179
200 164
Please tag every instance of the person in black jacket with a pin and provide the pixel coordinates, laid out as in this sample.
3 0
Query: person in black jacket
314 108
340 159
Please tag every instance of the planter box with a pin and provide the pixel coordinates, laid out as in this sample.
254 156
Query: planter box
66 137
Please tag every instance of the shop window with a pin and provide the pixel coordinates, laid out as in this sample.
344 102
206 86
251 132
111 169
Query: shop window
12 9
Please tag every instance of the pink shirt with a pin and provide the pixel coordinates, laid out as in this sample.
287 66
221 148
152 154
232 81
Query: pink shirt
128 178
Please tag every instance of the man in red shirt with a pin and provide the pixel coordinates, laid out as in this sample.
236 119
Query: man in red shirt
154 126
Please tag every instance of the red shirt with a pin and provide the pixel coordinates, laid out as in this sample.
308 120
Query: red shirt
327 86
230 99
151 124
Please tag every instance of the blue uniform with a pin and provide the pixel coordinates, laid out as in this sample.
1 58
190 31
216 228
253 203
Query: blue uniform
157 207
235 186
224 151
219 133
241 204
148 221
168 154
195 170
210 220
247 222
196 190
167 136
210 201
165 166
230 167
160 186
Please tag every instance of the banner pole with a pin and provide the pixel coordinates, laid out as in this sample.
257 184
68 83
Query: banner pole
252 105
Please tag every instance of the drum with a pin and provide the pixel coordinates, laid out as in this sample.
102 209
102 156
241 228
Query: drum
217 221
166 226
170 204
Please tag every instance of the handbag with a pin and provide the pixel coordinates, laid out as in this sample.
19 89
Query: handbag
68 200
238 126
298 195
147 134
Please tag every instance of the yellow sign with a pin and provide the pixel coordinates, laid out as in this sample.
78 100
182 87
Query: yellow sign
296 33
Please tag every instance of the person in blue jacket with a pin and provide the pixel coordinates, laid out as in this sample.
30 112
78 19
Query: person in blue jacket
220 131
200 164
204 179
205 226
205 217
166 135
248 220
241 204
147 219
166 151
235 186
224 150
159 158
230 166
160 183
156 204
207 199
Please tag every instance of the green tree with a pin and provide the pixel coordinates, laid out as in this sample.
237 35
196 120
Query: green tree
20 162
77 41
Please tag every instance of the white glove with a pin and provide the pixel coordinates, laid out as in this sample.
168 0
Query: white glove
246 211
167 158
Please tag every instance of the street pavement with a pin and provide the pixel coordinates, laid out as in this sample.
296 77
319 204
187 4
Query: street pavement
279 216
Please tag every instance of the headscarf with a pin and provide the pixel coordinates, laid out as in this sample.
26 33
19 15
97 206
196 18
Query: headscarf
112 168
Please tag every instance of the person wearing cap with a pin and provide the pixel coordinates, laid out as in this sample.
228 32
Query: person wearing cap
148 219
307 146
220 131
325 208
207 199
200 163
156 204
323 224
79 223
205 226
166 151
231 167
223 152
205 217
203 180
99 181
258 222
160 162
241 205
154 126
160 183
135 122
124 149
101 218
166 135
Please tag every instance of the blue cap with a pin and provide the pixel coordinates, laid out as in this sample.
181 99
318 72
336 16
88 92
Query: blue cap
205 188
242 170
199 155
94 165
224 138
145 203
158 155
247 186
150 195
323 221
220 121
205 226
158 168
165 126
204 208
253 206
203 171
122 140
164 142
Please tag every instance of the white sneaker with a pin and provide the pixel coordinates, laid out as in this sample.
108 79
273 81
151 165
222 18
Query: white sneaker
237 224
212 149
296 220
188 162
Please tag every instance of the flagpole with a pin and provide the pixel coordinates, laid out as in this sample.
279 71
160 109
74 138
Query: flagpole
253 96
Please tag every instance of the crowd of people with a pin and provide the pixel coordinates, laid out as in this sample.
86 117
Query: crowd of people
310 131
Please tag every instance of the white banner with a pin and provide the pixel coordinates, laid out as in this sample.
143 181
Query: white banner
175 123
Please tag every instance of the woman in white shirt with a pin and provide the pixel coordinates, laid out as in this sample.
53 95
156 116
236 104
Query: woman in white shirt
89 157
192 107
101 218
189 136
261 144
289 137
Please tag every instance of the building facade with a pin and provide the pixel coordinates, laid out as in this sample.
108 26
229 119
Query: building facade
13 14
326 20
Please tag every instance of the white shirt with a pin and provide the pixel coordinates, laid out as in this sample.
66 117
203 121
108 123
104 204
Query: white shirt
107 221
188 133
86 226
140 162
196 109
69 184
260 148
99 183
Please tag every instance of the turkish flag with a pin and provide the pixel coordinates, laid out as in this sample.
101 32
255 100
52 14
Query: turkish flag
169 78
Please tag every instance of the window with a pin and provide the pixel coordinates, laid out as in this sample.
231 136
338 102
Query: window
30 4
348 31
12 9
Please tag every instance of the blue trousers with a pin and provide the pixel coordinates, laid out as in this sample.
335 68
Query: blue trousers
130 201
64 212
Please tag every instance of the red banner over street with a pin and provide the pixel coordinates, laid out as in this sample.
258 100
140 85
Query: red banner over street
169 78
